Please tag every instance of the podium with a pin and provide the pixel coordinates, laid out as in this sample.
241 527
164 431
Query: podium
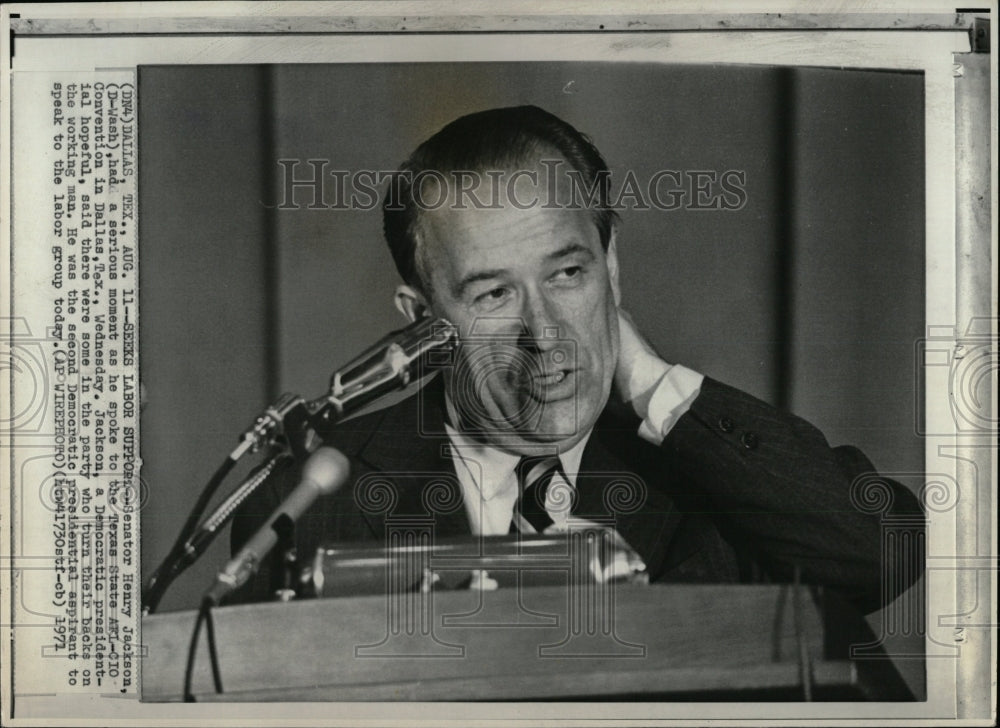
619 642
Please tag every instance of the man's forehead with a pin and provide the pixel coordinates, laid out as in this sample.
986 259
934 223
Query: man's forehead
471 220
494 227
547 176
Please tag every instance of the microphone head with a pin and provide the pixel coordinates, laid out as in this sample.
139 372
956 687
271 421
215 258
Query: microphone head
327 469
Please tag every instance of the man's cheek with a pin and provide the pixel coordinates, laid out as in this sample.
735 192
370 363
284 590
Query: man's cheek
507 395
483 387
614 340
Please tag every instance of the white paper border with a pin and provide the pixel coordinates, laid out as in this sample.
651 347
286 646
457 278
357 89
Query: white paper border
929 51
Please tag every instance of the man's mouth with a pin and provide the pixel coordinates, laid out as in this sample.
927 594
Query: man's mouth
552 378
555 385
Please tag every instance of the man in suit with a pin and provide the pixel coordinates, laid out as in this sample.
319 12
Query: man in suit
500 223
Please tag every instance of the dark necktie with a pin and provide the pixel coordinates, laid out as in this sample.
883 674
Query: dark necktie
533 477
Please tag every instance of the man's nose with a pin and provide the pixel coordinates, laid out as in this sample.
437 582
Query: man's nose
540 327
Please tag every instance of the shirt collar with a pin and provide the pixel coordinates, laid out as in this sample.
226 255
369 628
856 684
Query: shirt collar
492 469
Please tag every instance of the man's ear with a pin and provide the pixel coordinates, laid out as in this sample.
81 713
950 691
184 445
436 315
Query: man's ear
611 257
410 302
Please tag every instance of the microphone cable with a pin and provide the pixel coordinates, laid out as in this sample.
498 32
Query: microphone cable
204 618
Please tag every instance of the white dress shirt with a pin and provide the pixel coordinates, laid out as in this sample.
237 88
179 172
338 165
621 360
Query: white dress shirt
488 480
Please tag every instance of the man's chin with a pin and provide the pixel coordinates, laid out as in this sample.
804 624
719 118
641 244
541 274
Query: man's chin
558 422
522 424
557 426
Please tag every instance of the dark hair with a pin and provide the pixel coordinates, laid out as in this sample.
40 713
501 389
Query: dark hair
485 140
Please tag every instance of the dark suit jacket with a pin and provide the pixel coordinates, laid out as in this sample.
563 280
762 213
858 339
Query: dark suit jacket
737 492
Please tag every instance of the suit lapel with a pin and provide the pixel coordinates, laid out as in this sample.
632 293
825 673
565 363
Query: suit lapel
410 448
622 477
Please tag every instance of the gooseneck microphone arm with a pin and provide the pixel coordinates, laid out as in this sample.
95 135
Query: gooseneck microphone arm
292 424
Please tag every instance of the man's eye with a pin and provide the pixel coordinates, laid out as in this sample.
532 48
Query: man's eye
568 273
493 295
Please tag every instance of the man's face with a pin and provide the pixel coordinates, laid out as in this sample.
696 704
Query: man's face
534 297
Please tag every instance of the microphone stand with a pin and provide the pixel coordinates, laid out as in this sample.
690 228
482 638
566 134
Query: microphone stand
284 426
292 422
291 425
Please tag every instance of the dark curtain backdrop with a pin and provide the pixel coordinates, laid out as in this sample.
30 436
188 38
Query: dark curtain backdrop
811 296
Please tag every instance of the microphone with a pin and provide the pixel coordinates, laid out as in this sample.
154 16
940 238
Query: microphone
324 472
391 363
